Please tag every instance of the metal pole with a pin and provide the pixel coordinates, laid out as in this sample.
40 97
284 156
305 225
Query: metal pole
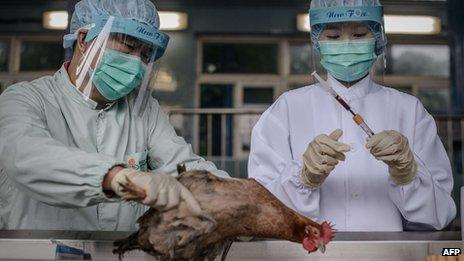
449 137
209 135
223 140
223 135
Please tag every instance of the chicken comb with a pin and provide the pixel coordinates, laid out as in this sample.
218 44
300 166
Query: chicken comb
328 232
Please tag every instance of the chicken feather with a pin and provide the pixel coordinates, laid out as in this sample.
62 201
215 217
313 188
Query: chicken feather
231 208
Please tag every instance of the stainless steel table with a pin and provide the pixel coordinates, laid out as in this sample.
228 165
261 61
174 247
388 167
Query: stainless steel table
398 246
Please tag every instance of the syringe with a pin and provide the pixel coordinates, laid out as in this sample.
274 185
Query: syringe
356 117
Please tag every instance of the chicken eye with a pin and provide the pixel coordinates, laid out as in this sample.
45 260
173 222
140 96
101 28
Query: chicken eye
315 232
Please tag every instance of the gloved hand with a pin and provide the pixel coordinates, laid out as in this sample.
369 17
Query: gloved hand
392 148
321 157
158 191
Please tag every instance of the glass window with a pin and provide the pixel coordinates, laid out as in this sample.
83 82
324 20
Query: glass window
240 58
216 96
427 60
261 95
245 127
4 55
235 167
303 59
436 101
41 56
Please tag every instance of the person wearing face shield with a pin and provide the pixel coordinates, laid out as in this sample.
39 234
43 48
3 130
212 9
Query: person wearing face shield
69 142
307 150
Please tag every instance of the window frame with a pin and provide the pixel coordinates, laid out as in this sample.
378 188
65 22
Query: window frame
284 79
14 74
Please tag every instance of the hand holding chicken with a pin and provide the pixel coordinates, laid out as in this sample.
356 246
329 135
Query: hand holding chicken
158 191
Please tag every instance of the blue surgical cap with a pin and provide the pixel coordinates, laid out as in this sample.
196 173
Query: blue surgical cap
86 13
374 24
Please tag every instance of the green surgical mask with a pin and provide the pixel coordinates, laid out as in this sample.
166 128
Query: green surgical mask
348 60
118 74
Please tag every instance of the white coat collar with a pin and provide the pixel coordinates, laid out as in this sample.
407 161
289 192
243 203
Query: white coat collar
357 91
71 90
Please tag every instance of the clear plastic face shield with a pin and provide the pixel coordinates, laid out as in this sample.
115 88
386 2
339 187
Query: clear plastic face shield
348 42
122 57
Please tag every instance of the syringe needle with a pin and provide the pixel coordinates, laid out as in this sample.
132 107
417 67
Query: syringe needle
360 121
356 117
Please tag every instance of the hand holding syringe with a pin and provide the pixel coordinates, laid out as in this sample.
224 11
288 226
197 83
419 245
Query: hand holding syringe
356 117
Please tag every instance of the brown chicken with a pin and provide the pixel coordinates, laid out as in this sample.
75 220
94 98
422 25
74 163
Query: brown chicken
232 208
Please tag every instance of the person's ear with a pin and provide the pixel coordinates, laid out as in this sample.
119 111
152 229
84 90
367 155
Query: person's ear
81 44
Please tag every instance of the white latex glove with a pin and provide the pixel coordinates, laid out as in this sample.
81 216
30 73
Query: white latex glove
321 157
392 148
158 191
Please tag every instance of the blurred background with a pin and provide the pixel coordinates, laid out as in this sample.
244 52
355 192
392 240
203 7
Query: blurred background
227 61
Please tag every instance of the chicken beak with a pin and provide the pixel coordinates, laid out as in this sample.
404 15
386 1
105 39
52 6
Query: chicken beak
321 248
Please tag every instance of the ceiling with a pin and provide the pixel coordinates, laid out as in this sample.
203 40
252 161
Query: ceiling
19 9
216 2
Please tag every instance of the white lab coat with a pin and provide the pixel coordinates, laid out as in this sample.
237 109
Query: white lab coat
55 150
358 194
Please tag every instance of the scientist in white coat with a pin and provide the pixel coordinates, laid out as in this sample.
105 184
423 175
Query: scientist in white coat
68 141
307 150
